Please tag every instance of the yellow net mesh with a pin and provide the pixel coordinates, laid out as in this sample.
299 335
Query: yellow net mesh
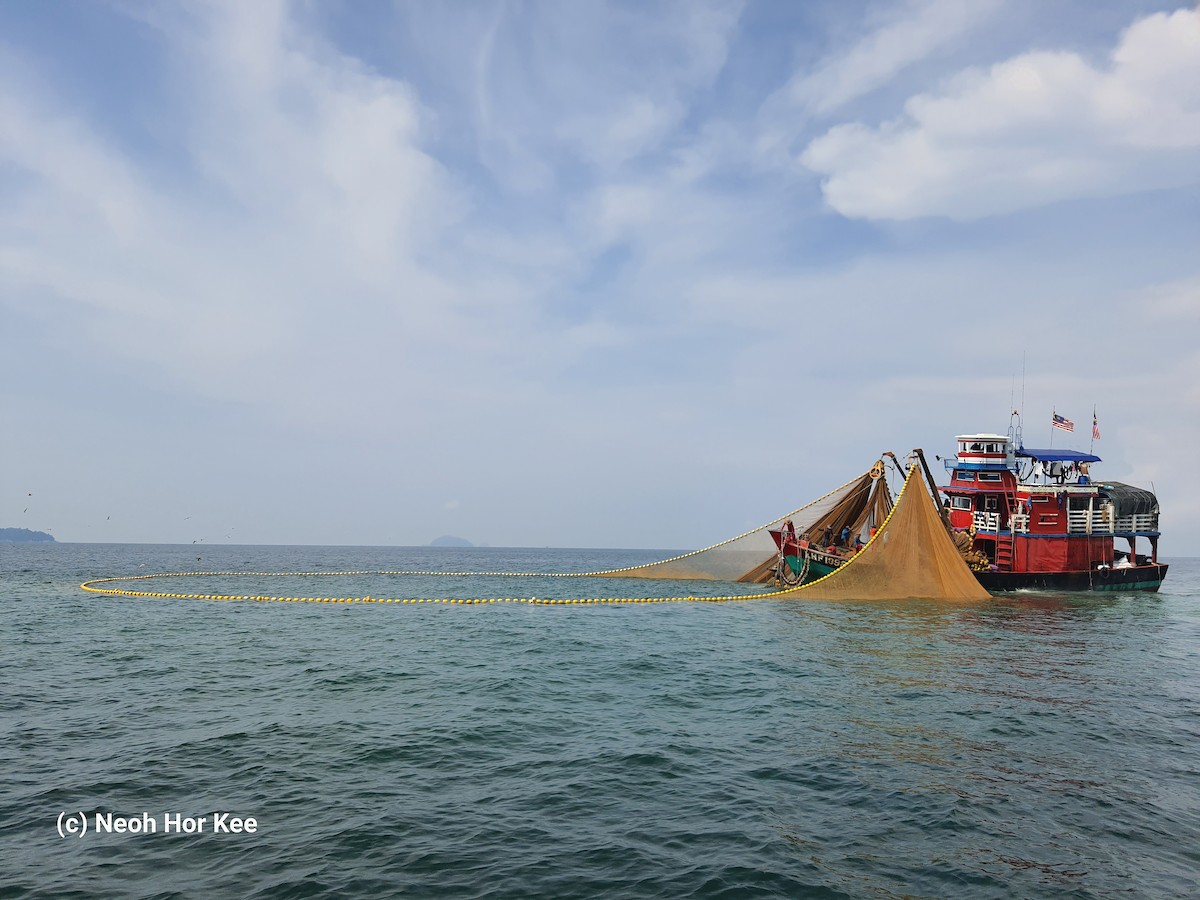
912 556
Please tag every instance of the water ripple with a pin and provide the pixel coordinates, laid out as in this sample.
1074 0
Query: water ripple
1033 746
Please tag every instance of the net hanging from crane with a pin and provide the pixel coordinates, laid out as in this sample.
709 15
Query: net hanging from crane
879 550
911 557
836 519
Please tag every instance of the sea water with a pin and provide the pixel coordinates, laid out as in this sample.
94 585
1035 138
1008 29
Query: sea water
1033 745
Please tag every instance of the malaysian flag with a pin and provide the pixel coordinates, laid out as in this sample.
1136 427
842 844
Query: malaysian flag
1095 428
1062 422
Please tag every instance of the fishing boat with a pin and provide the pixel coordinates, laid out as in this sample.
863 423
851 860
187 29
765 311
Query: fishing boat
1039 519
833 539
801 560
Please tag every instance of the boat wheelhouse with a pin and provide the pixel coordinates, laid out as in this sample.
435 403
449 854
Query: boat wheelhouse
1028 518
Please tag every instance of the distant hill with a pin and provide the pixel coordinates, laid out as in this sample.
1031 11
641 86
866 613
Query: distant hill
23 535
449 540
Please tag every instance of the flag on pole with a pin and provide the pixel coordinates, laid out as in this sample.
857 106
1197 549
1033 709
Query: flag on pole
1062 422
1095 427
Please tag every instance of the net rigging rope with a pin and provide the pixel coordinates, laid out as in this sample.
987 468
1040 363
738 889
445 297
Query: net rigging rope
94 586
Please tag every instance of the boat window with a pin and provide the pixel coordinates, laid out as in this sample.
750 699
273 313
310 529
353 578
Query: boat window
1048 519
960 502
991 503
964 476
1040 499
989 476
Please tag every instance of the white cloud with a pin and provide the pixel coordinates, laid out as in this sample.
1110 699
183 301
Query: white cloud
591 83
304 205
59 154
299 132
909 35
898 36
1032 130
520 254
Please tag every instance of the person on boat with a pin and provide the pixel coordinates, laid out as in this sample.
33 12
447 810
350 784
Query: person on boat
844 540
858 543
789 543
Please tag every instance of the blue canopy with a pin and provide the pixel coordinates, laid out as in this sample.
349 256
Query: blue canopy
1075 456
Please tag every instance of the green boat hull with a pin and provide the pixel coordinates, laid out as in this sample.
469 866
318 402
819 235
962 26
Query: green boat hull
817 566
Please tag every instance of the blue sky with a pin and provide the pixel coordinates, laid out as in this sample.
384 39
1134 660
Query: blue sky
580 274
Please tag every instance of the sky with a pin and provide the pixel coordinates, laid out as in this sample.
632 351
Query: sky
587 274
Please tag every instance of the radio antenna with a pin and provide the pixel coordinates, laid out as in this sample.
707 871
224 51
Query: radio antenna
1020 438
1023 352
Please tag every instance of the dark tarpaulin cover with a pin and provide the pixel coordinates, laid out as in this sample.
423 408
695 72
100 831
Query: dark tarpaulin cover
1130 500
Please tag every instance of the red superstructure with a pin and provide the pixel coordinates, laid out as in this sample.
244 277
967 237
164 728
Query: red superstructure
1043 521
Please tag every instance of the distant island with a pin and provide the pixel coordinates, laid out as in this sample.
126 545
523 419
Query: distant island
449 540
23 535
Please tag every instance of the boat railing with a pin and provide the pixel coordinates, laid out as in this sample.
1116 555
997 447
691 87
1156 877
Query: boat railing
1141 523
1102 521
1079 521
986 521
1090 521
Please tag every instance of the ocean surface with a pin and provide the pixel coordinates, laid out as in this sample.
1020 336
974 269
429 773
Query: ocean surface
1032 746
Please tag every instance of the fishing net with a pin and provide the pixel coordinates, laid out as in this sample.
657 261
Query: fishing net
850 544
852 511
912 556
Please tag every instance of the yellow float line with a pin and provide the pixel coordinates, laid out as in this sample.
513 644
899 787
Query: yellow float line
91 586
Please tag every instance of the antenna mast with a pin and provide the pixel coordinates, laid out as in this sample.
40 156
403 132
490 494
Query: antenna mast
1018 439
1023 381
